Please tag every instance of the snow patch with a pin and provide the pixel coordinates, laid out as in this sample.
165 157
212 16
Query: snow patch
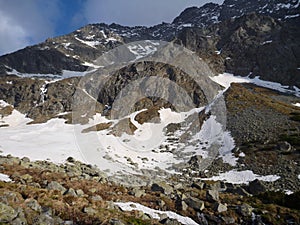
291 16
155 214
91 65
267 42
92 44
296 104
242 177
3 104
13 120
141 51
242 154
36 141
288 192
65 74
226 79
4 177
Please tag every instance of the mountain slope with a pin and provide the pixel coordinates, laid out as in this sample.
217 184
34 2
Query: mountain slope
260 49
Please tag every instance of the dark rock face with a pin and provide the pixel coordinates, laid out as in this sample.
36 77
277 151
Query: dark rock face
200 17
37 99
251 45
247 43
211 13
36 60
280 9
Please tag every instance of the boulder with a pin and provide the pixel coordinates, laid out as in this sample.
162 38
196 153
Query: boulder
53 185
219 207
33 204
257 187
195 203
116 222
89 210
162 187
245 210
212 195
7 213
71 192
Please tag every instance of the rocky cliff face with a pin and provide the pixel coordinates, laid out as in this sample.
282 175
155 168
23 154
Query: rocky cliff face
262 45
250 45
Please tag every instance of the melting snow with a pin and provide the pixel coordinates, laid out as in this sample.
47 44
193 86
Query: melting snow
141 51
65 74
226 79
267 42
155 214
242 154
91 65
288 192
3 104
103 149
296 104
291 16
92 44
242 177
4 177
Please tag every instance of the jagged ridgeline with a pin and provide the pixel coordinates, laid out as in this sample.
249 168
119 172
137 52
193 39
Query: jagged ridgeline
263 43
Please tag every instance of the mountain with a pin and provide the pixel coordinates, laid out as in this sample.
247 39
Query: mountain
186 111
258 37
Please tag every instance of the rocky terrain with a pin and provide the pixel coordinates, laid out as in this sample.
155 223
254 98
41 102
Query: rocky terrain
76 193
197 119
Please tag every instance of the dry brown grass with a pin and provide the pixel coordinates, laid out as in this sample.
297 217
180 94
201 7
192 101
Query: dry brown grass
238 97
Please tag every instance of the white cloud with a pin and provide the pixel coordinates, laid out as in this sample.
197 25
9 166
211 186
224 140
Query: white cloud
25 22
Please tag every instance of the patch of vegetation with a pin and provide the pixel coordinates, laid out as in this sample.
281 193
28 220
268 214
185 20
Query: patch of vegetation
291 201
136 221
241 96
295 116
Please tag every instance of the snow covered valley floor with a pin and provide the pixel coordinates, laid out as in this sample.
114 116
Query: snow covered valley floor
150 151
209 176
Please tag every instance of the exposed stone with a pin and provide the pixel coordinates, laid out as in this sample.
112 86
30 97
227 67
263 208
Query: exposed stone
169 221
97 198
245 210
257 187
7 213
202 219
71 192
53 185
25 160
184 206
26 178
136 192
220 207
228 220
33 204
162 187
199 185
19 221
212 195
116 222
89 210
79 192
194 203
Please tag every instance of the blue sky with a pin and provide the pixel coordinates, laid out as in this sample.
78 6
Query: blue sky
27 22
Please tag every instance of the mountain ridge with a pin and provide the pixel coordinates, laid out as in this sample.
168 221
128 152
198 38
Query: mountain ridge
77 51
